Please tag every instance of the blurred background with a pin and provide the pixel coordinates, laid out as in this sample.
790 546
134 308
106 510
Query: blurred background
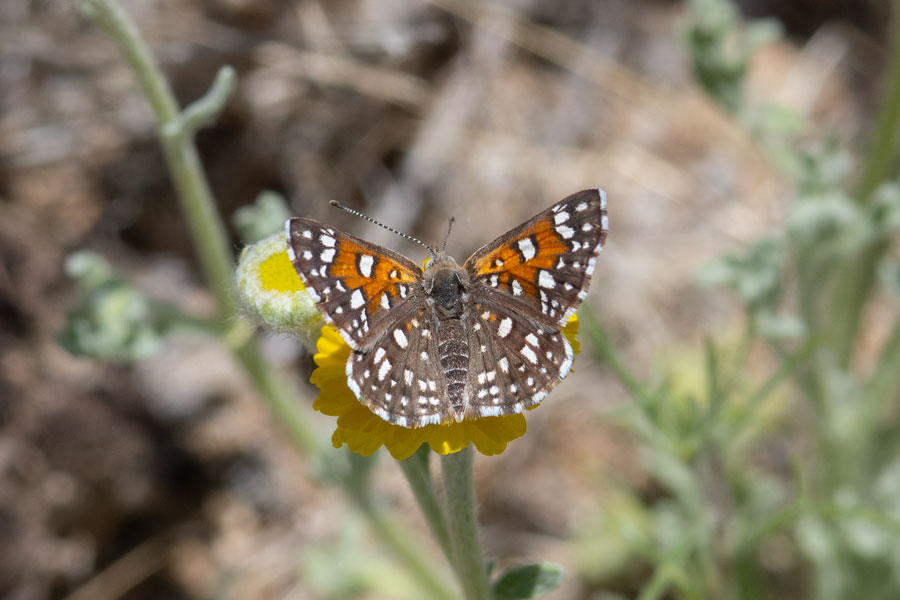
164 477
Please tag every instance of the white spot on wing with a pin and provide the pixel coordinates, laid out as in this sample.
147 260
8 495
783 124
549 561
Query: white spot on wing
365 265
532 339
327 255
516 288
545 280
385 301
384 370
379 354
357 299
354 387
504 364
527 248
561 217
327 240
567 363
565 231
505 327
400 338
529 354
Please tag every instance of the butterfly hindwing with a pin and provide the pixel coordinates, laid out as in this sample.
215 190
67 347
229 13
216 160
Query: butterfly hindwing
516 363
400 378
544 266
360 288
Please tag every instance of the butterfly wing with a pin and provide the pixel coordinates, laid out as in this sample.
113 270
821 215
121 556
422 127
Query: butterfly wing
400 379
360 288
543 267
517 363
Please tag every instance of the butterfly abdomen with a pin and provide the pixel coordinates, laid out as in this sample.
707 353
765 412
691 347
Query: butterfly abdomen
453 348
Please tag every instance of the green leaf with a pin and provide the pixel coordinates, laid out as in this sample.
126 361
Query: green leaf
528 581
113 320
261 219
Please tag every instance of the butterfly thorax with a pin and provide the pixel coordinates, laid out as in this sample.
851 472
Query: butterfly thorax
446 285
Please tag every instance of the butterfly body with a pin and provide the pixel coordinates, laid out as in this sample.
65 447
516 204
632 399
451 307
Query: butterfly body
455 342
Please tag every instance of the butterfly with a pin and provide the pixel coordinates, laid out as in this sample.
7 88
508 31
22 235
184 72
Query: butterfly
452 342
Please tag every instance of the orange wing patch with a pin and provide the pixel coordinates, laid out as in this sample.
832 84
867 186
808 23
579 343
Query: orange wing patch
382 280
521 258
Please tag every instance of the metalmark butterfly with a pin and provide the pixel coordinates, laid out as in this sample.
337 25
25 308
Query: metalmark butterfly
452 343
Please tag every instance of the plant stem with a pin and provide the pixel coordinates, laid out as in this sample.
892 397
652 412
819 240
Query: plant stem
412 557
606 351
859 274
281 399
418 474
883 148
176 130
182 160
465 536
885 380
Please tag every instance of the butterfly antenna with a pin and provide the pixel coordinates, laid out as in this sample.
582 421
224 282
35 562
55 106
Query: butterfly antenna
447 237
337 204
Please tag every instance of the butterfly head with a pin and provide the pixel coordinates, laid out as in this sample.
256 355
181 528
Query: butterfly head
446 285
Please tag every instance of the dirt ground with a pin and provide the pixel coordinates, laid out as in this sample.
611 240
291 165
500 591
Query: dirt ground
167 478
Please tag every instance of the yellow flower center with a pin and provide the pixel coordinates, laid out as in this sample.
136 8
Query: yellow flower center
277 274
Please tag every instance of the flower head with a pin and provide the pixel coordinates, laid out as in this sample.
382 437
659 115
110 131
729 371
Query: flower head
271 290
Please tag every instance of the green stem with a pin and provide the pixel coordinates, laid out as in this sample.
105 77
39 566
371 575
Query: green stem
882 150
418 474
605 349
413 557
465 536
281 399
176 130
859 275
196 200
886 379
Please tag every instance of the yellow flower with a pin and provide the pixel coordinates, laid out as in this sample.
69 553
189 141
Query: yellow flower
364 432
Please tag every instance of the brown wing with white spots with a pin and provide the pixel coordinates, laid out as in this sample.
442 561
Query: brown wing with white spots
359 287
400 379
544 266
514 361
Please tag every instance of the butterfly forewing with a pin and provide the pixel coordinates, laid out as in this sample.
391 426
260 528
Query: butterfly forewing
360 288
544 266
